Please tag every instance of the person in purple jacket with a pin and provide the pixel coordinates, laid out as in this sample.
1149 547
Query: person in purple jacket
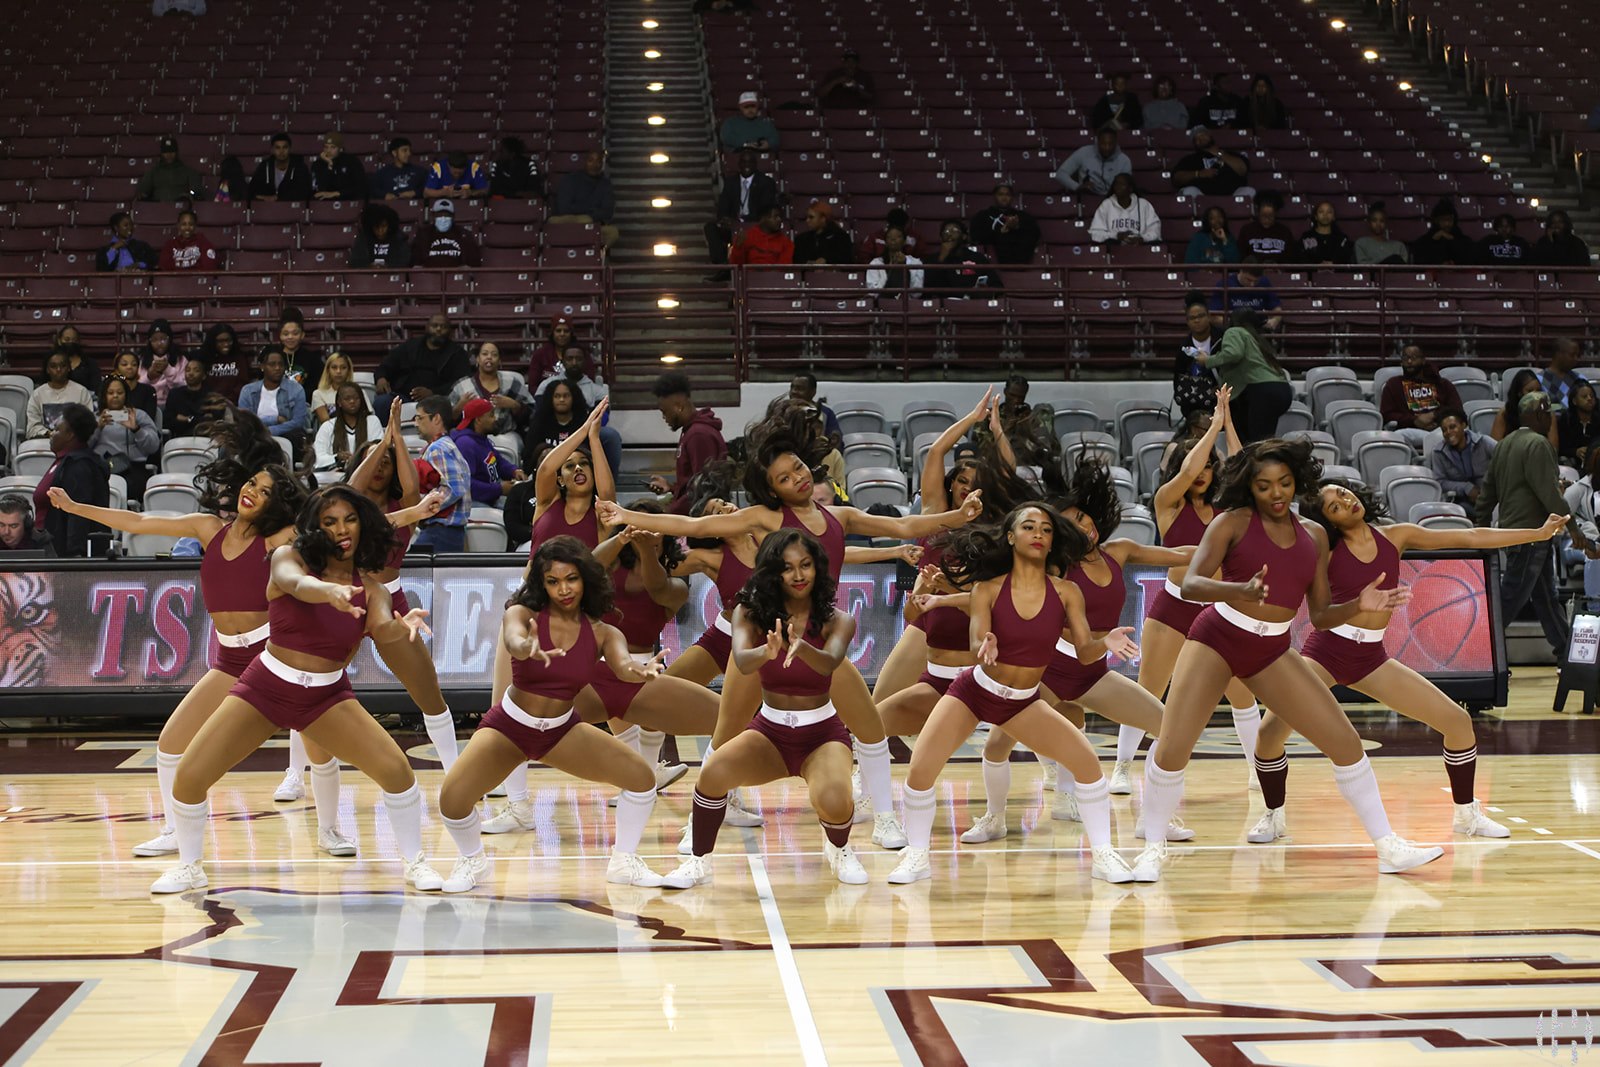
493 474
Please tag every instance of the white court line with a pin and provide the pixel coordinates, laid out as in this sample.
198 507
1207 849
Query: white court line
1580 848
805 1024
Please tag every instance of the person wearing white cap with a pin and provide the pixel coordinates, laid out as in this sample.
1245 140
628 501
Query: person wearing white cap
749 128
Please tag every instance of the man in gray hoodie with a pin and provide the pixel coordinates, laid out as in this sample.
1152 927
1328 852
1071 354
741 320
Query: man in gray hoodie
1095 166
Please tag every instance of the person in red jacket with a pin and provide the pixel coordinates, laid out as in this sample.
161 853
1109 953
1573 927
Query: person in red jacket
189 250
764 242
699 445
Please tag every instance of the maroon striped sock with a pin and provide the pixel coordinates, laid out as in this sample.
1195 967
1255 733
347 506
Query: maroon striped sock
838 833
705 820
1274 777
1462 767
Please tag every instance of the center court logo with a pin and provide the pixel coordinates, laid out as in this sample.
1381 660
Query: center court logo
1571 1033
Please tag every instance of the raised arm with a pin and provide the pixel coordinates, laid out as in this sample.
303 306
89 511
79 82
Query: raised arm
908 527
1325 615
605 482
735 524
1406 536
405 470
545 491
200 526
933 495
1169 497
668 592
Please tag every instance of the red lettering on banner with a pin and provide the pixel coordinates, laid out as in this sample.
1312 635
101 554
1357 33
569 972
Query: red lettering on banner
115 600
853 597
172 630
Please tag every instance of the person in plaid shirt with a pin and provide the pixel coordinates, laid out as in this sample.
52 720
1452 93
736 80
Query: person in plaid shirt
446 531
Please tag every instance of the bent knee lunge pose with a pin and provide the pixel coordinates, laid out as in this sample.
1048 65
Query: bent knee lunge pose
1271 563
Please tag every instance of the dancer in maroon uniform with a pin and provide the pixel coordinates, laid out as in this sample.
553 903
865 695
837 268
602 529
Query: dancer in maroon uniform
322 601
1271 563
553 634
1353 654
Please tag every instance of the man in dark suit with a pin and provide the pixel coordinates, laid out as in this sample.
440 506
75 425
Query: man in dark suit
746 196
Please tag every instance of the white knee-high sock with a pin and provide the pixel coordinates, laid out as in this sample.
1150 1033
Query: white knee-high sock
874 760
464 832
1247 723
442 732
516 784
629 736
325 792
919 816
189 825
1094 806
633 811
405 819
1163 792
166 771
298 760
650 742
1360 788
996 786
1128 740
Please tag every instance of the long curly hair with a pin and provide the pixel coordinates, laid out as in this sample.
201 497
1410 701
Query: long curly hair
1233 481
791 427
542 424
980 551
1371 503
672 552
597 597
1091 491
244 447
763 594
1002 487
394 489
317 548
1519 382
1174 463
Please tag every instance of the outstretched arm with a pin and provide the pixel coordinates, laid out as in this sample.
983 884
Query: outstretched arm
614 648
289 574
200 526
735 524
605 483
911 554
1125 552
908 527
1326 616
1407 536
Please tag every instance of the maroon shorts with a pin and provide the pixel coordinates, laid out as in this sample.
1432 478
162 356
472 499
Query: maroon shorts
1348 661
1247 654
234 660
716 643
1174 612
989 707
796 743
937 684
286 705
535 744
1069 678
616 696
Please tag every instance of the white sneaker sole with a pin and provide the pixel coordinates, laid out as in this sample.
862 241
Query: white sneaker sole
1427 856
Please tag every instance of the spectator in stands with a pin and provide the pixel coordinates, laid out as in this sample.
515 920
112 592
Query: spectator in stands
447 530
699 432
492 475
1218 108
1560 247
193 403
1558 379
1578 425
560 355
958 267
227 363
514 173
457 175
1264 236
745 197
282 175
764 242
1010 232
1462 457
505 390
895 268
336 176
233 185
125 252
444 244
591 393
161 360
350 427
1413 400
1095 165
1523 382
749 128
55 395
1377 246
1194 387
803 389
425 365
79 472
278 401
1246 362
847 85
823 240
1212 243
380 242
1502 246
1246 289
125 436
1118 109
170 179
85 371
872 245
587 196
559 412
1211 170
337 370
189 249
1325 243
1166 111
1444 243
140 394
1125 218
398 178
17 531
1263 110
1029 427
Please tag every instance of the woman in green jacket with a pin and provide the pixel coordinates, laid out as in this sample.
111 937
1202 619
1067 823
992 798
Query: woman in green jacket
1246 362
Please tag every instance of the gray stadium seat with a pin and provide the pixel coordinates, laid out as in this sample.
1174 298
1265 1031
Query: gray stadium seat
1148 448
1378 449
1327 384
860 416
186 455
1481 414
869 449
876 485
151 544
1472 383
33 458
1346 418
1298 417
486 530
1137 525
1076 418
1406 486
1139 416
1127 491
923 416
1343 473
1427 509
172 492
1094 444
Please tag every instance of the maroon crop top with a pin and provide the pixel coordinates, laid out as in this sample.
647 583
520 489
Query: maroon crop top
1290 571
317 629
563 676
238 584
731 576
795 680
832 538
1027 642
1347 576
1102 603
948 629
636 614
402 540
1187 527
553 523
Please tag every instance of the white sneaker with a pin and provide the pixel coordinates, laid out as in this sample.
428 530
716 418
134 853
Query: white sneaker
989 827
1147 866
1065 808
166 843
913 867
1052 771
886 831
846 867
1469 820
422 876
667 773
1176 831
513 815
738 814
335 843
1396 854
292 788
468 872
696 870
858 797
1122 778
498 791
1268 828
1109 866
686 842
181 879
626 868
